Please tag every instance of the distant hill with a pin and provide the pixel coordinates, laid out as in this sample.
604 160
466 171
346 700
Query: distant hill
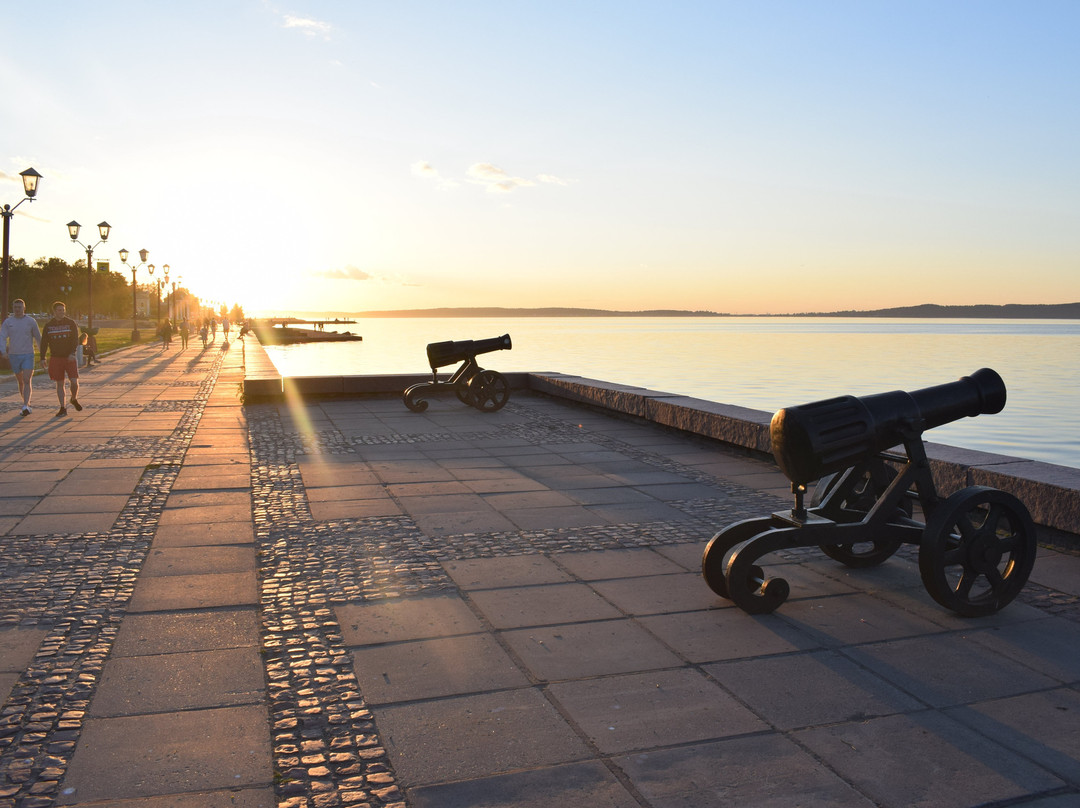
1010 311
492 311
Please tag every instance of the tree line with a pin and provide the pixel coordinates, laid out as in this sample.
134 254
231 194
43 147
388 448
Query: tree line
47 280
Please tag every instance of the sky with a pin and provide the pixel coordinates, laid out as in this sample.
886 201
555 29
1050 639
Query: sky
739 157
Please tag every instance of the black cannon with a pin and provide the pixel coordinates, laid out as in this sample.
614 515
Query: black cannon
976 548
487 390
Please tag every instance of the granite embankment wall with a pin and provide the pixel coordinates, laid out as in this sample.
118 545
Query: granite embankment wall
1051 493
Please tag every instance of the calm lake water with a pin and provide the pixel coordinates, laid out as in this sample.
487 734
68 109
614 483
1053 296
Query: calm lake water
763 362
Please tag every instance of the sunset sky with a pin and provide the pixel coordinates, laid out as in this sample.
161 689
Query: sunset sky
741 157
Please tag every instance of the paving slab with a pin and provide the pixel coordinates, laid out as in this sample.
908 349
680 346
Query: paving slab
172 592
927 668
18 646
406 619
179 681
956 766
765 771
476 736
648 710
590 783
1041 726
497 573
204 534
801 690
424 669
548 604
170 753
581 650
162 561
726 633
177 632
854 619
64 523
206 514
659 594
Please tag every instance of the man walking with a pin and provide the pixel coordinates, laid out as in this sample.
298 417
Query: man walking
17 336
61 338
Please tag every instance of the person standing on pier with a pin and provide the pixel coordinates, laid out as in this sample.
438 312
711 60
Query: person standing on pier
60 339
17 337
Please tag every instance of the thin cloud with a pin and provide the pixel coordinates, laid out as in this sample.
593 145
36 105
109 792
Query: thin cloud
422 168
495 179
349 273
308 26
426 171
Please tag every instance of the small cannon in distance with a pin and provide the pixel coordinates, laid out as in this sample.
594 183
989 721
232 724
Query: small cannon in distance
976 548
487 390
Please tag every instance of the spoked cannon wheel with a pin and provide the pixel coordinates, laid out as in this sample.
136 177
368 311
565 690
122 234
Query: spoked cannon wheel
863 494
977 551
489 390
461 390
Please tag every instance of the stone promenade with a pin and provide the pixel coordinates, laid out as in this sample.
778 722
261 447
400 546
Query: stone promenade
343 603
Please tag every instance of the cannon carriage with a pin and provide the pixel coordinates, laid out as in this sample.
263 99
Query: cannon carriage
976 547
486 390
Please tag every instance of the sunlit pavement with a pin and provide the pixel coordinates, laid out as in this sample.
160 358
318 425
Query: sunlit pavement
345 603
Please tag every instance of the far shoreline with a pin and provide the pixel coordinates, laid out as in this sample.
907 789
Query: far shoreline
1011 311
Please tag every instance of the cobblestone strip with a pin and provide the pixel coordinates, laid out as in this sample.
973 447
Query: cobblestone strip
326 749
76 589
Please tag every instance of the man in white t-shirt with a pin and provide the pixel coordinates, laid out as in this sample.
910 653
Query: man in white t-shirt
17 337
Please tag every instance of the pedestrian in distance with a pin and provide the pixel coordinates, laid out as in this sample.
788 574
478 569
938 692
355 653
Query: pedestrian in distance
17 337
60 339
90 349
185 331
202 334
225 327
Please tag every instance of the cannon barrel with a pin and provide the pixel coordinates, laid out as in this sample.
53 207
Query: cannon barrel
451 352
812 440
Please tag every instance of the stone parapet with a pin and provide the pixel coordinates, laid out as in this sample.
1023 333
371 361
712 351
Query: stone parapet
1050 492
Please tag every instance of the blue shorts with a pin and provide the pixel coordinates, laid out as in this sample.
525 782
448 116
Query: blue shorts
21 362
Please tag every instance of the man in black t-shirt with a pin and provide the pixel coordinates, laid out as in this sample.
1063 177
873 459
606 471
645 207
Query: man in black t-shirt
60 337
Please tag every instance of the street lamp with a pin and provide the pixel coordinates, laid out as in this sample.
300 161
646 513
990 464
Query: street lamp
30 182
134 298
73 231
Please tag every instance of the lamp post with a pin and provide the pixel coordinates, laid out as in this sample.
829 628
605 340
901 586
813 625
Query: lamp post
30 182
73 231
134 297
157 291
168 300
174 307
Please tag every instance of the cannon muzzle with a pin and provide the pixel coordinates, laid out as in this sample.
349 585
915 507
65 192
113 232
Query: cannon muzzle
812 440
450 352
